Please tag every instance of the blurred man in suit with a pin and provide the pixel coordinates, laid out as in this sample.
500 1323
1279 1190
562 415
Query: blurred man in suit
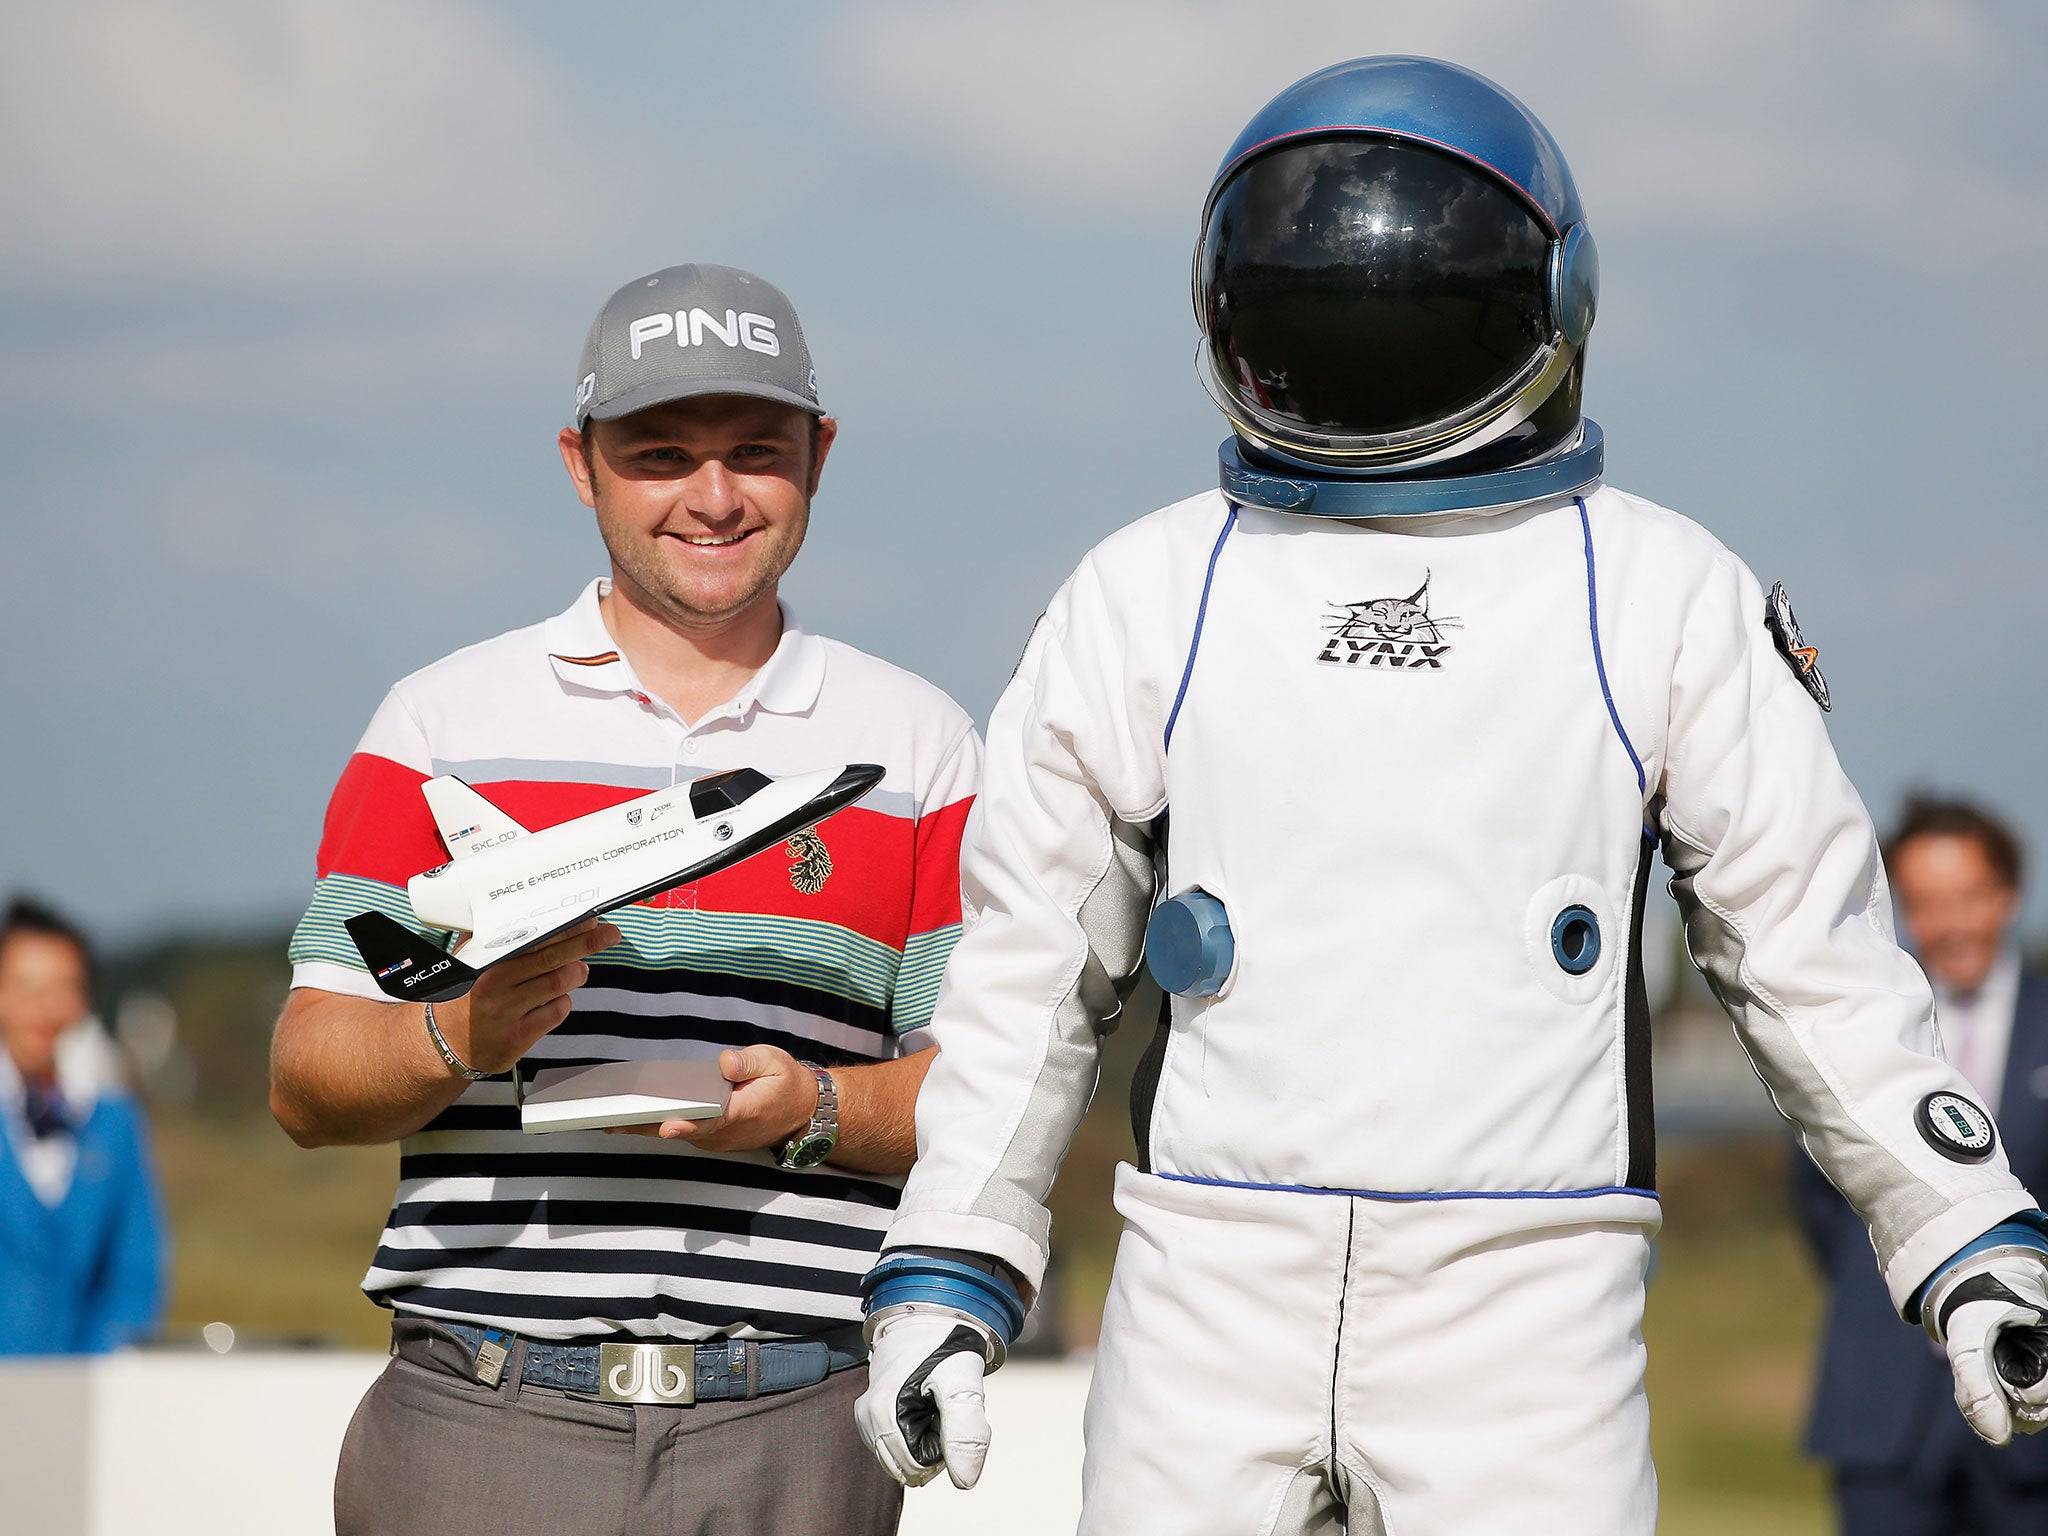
1904 1464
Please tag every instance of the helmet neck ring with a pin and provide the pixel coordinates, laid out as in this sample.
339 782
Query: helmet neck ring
1250 479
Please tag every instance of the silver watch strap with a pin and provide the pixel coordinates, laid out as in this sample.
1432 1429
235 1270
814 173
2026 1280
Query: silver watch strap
823 1125
826 1116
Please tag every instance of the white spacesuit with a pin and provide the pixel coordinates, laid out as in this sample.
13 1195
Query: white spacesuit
1383 1259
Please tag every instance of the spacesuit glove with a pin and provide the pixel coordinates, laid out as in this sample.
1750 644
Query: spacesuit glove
923 1408
1991 1315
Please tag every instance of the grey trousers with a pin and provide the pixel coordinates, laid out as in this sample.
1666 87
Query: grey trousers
432 1452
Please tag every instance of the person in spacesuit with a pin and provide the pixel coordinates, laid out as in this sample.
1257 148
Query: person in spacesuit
1366 753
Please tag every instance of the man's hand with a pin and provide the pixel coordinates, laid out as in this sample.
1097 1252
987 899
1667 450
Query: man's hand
519 1000
349 1071
924 1407
1997 1301
774 1096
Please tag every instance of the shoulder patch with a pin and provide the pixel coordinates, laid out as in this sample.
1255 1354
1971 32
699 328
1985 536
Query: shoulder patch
1956 1128
1803 659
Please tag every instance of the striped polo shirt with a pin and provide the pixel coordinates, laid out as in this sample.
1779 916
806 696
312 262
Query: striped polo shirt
830 947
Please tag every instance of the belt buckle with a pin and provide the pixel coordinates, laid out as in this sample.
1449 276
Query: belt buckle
647 1373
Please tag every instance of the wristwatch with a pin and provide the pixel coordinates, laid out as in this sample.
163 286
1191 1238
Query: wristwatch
814 1143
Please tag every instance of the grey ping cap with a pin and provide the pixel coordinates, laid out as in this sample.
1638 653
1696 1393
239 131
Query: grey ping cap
695 330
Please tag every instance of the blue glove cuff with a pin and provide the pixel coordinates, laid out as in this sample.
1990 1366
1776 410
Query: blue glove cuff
933 1281
2027 1229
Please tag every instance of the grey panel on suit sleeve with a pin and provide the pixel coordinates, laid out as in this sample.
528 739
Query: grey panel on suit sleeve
1112 918
1867 1174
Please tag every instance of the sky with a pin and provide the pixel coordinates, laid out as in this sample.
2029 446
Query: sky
291 295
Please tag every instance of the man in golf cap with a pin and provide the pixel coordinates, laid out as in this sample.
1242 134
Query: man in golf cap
601 1333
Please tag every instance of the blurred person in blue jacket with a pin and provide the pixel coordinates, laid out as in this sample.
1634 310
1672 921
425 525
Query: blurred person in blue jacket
81 1234
1904 1464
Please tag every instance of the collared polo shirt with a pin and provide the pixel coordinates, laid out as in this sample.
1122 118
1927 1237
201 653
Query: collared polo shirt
831 948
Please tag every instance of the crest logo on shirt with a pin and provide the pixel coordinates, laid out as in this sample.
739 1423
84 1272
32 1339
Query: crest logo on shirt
1391 633
813 866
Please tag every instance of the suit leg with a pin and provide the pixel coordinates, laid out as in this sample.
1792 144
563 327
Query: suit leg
1997 1505
1894 1506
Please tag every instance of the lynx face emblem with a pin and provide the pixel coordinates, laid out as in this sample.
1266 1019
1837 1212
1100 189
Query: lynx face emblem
1391 633
813 866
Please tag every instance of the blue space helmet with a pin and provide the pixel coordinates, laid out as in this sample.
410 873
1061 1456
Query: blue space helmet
1395 278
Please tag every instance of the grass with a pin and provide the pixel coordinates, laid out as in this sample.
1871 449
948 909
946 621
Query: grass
270 1238
1732 1312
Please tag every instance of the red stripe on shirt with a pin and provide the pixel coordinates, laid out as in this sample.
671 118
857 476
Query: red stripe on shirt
867 889
378 825
936 901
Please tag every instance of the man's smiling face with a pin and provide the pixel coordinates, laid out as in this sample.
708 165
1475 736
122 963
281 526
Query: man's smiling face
702 503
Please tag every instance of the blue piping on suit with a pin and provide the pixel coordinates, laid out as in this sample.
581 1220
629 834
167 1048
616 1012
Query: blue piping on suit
1411 1197
1201 616
1599 663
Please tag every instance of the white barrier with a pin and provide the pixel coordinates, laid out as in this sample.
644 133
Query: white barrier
1032 1484
176 1443
244 1444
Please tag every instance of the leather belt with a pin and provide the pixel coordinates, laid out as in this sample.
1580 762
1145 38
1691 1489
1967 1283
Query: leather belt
633 1371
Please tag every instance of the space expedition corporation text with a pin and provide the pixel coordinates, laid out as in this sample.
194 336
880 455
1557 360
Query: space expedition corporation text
576 866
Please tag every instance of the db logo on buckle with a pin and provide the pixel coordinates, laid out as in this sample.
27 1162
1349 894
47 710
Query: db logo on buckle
646 1373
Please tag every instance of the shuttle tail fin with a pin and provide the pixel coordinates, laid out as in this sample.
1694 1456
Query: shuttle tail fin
404 965
468 821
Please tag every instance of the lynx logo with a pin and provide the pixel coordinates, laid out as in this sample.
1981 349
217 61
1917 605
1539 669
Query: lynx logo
1392 633
813 866
740 329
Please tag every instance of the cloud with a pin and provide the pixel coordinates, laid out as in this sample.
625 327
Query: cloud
280 365
280 145
1755 122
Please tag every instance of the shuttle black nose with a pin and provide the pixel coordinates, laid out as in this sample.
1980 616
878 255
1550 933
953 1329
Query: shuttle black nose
855 781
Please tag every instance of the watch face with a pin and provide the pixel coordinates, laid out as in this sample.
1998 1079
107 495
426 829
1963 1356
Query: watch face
808 1151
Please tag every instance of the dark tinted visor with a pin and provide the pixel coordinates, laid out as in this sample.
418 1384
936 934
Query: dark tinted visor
1363 287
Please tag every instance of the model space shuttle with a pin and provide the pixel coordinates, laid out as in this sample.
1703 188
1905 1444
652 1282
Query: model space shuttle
509 888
